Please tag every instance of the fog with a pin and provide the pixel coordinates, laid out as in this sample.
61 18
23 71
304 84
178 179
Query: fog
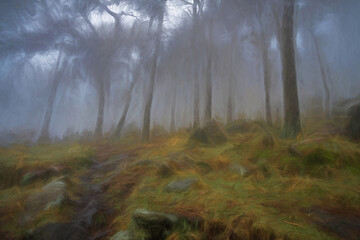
72 67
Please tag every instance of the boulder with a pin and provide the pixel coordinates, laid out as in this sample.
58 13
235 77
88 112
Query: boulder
156 225
51 195
180 185
353 126
211 134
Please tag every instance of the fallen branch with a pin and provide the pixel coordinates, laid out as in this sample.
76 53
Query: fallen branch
294 224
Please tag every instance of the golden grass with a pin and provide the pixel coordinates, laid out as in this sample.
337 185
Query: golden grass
286 177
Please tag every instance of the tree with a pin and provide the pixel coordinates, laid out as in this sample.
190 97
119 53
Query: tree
154 64
101 64
263 44
120 125
59 69
212 8
290 92
323 73
196 9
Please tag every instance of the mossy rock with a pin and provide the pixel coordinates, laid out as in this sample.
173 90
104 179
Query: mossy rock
51 195
156 225
211 134
123 235
181 185
42 174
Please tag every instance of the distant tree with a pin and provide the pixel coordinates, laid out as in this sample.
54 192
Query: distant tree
102 56
263 45
135 75
58 73
292 124
196 10
212 7
323 73
149 99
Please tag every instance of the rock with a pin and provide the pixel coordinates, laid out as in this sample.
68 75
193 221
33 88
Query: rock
60 231
123 235
240 169
211 134
51 195
156 225
39 174
180 185
353 127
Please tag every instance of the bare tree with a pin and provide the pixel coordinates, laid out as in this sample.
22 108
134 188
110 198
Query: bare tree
263 45
121 122
323 73
196 10
149 99
58 73
172 117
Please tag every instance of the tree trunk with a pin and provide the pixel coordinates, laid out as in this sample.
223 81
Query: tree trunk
291 100
229 111
121 122
60 66
208 104
265 67
101 108
323 77
172 121
265 63
147 111
196 123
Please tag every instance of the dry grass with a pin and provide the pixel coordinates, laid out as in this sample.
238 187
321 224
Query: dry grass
285 178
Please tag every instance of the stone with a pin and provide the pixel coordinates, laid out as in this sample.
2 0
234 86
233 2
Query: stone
51 195
180 185
123 235
40 174
240 169
156 225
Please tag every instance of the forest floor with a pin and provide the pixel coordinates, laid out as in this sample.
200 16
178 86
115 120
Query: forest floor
241 181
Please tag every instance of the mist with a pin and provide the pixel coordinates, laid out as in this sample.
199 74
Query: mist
75 67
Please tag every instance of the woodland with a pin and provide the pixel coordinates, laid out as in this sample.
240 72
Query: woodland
179 119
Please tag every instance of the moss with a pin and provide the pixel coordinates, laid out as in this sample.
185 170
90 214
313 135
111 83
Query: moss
319 156
292 166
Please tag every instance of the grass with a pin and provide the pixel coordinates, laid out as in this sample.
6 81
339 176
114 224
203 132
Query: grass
285 179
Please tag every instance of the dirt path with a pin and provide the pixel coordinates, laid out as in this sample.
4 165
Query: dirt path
91 202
